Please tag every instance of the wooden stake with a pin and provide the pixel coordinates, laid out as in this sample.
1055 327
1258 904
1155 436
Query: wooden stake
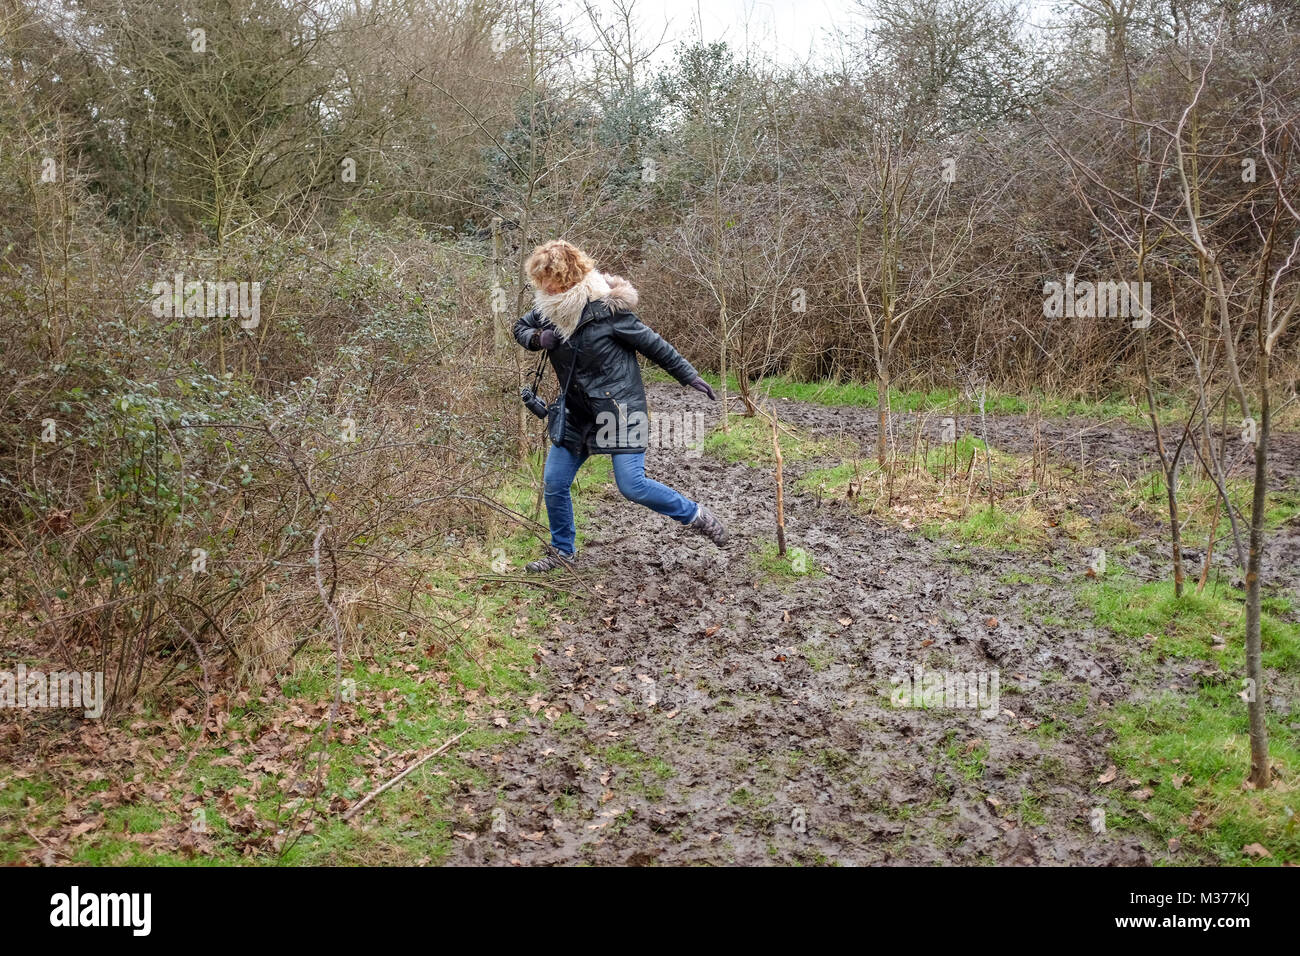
780 491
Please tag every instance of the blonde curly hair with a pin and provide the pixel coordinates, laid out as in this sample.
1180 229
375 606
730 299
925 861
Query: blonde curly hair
557 266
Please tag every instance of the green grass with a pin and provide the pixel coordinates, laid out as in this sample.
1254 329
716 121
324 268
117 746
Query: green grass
968 760
749 440
1198 503
864 394
636 771
796 564
945 459
1184 627
833 480
1202 737
818 655
1191 748
940 461
411 695
994 527
936 494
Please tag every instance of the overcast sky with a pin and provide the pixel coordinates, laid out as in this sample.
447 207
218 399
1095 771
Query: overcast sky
786 29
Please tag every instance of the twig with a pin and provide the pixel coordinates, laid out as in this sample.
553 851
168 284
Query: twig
392 783
516 579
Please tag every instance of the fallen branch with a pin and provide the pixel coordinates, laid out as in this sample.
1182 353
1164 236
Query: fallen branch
396 780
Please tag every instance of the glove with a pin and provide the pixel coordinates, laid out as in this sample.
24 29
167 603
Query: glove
546 339
702 386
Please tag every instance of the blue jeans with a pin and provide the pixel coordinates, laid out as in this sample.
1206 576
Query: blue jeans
629 473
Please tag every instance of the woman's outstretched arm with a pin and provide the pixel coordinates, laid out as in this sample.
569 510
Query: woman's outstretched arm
635 334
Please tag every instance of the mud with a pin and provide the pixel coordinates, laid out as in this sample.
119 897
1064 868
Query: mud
768 734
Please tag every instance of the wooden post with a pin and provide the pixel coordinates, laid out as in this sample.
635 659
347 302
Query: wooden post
780 492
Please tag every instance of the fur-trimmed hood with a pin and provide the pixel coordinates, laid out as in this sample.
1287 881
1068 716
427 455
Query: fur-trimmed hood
564 310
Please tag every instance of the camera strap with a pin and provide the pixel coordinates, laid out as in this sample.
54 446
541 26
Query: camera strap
538 372
541 367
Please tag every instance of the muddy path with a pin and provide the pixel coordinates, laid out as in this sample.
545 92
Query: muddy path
1109 447
699 711
1099 450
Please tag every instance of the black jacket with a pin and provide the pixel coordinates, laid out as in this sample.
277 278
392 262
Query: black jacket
606 403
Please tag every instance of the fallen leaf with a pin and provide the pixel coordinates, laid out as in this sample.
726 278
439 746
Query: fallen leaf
1255 850
86 825
1109 775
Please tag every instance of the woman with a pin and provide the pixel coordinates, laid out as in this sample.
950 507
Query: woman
584 320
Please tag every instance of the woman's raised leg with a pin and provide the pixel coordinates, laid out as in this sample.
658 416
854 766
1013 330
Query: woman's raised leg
629 473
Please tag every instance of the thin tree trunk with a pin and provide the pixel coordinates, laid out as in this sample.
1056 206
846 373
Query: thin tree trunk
882 414
780 491
1260 774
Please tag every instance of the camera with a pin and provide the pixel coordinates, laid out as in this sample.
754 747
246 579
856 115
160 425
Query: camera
533 403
